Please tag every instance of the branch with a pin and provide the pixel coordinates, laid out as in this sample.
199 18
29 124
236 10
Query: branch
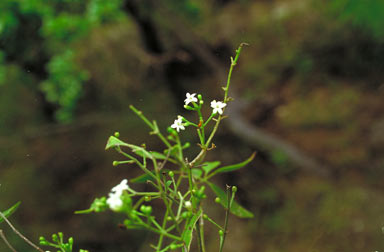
6 241
260 138
19 234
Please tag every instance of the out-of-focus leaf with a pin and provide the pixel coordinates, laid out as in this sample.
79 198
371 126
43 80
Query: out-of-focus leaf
158 155
10 211
209 166
197 173
234 167
236 209
187 234
142 178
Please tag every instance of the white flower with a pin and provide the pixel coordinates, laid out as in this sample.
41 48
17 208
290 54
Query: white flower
190 98
114 198
114 201
188 205
121 187
178 124
218 106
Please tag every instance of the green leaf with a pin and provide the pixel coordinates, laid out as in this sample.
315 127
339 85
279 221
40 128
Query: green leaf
114 142
187 234
236 209
197 173
234 167
209 166
140 151
142 178
158 155
10 211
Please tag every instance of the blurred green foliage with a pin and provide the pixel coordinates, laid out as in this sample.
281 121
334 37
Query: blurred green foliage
364 13
55 27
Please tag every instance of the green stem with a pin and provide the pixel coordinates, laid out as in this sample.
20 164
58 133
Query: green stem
152 126
136 161
226 219
200 235
233 64
214 223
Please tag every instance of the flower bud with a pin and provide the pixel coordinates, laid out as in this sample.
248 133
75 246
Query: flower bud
171 174
147 210
188 205
115 163
54 238
221 232
70 240
217 200
174 246
184 215
44 243
147 198
234 189
200 97
116 134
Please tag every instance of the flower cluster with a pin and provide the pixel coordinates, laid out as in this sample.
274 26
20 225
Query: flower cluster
196 102
114 200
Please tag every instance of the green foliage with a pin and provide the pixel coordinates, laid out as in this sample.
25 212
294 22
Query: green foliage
364 13
65 83
57 26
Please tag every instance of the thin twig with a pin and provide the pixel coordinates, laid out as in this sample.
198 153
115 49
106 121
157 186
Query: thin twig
226 218
6 241
19 234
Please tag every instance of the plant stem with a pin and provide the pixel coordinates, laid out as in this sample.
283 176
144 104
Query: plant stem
200 229
137 162
153 127
19 234
6 241
198 158
226 218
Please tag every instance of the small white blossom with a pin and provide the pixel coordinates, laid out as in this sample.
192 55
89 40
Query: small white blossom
178 124
218 106
121 187
190 98
114 201
188 204
114 198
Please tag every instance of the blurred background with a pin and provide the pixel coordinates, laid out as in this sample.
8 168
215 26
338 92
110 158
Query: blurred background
308 98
